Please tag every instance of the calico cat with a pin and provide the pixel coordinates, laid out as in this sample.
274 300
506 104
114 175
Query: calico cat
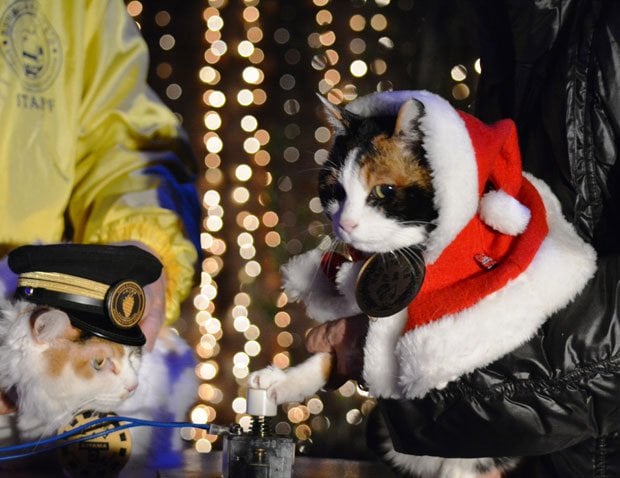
52 370
407 169
376 189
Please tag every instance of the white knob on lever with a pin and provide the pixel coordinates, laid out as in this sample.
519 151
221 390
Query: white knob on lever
259 404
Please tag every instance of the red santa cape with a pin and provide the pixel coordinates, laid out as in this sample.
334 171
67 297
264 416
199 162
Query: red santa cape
481 259
500 261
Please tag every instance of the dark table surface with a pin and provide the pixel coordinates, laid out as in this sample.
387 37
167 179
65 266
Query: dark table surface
209 465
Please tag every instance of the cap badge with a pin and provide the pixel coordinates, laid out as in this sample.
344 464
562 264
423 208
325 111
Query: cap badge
125 303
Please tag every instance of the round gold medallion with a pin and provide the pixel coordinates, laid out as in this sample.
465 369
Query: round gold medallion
388 282
125 302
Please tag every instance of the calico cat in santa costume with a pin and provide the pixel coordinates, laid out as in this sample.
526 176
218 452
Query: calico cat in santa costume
409 176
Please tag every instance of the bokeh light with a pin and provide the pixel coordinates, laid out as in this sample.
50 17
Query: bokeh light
261 135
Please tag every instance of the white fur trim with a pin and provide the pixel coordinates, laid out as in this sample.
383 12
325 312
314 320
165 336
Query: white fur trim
504 213
450 154
437 353
380 368
431 356
437 467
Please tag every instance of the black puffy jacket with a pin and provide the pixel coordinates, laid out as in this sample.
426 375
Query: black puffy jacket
557 395
554 67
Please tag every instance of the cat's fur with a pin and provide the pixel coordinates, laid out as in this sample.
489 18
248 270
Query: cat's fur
402 172
366 156
53 371
376 189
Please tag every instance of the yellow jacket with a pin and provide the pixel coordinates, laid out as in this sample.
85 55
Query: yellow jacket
87 152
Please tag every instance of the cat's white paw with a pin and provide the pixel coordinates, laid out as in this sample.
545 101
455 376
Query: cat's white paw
281 388
269 379
300 273
266 377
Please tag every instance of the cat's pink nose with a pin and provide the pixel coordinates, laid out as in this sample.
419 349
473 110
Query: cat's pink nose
348 225
131 388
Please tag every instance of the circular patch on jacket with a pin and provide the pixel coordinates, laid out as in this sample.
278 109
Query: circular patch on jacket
102 456
388 282
125 303
30 45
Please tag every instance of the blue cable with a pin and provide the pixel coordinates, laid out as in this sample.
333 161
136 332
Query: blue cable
55 441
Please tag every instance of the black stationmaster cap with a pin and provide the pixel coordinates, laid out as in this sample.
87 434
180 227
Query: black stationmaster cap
98 286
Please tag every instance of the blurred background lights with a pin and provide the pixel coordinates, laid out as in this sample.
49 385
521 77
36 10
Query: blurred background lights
217 99
214 144
240 195
458 73
249 123
219 47
245 48
243 172
238 405
213 120
209 75
173 91
378 22
211 198
460 91
251 145
260 135
357 23
166 42
134 8
477 66
215 22
358 68
252 75
245 97
323 17
162 18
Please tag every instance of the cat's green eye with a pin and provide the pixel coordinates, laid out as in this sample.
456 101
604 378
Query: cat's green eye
98 363
381 191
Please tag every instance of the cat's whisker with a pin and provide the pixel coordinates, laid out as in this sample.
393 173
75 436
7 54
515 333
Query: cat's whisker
411 258
314 228
414 258
51 428
410 254
304 172
302 233
309 170
428 224
64 418
333 246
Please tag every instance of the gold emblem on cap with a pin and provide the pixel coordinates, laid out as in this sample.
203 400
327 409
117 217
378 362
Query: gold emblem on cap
125 302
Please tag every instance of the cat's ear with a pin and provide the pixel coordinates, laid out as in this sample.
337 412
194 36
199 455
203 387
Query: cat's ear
335 115
407 121
48 325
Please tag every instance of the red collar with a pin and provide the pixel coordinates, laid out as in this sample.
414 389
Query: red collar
461 276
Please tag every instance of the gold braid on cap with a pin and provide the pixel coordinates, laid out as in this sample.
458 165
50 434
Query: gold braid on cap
64 283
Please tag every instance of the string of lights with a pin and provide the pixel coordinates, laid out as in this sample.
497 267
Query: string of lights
249 103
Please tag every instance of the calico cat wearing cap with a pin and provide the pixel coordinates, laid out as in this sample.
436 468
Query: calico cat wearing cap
415 185
70 342
52 370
